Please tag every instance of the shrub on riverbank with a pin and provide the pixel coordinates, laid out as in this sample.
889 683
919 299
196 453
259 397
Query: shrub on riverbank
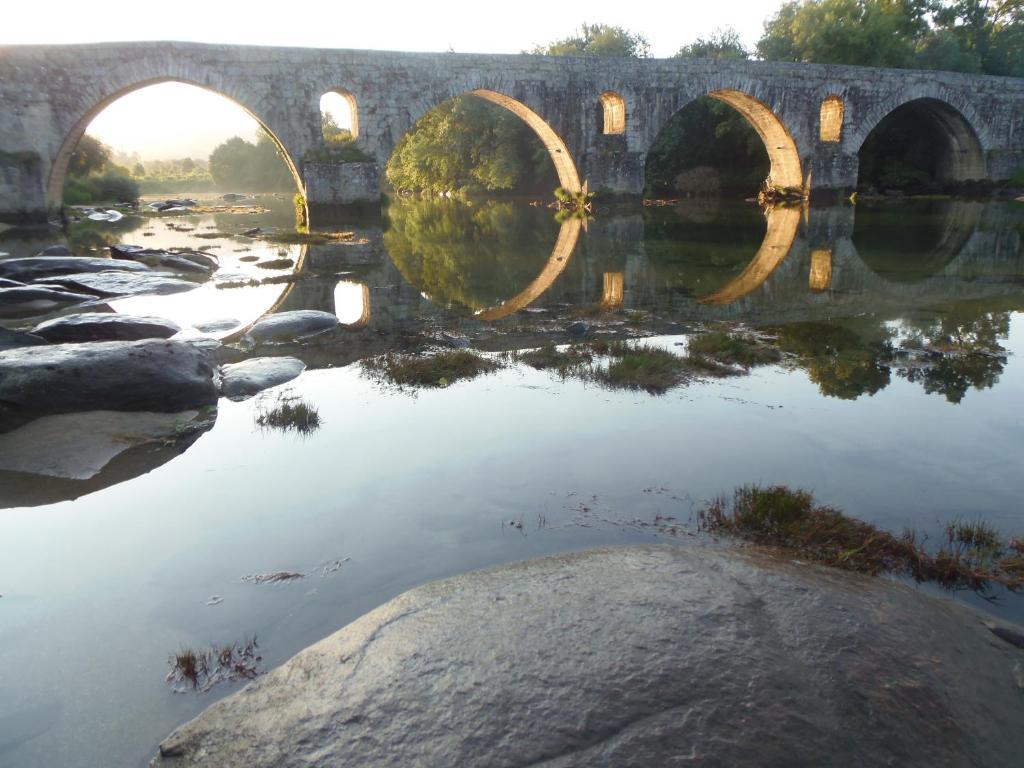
108 187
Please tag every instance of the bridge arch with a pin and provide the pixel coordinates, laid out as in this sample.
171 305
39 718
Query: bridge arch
80 122
785 164
558 151
956 122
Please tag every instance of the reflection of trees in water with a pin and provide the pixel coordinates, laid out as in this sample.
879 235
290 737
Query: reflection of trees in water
948 356
845 361
964 351
695 252
468 256
85 234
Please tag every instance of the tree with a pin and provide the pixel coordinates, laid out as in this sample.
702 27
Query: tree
598 40
239 164
331 131
90 156
722 44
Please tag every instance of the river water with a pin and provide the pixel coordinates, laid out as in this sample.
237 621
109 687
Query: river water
103 578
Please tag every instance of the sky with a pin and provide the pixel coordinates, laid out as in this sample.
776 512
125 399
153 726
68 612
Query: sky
181 121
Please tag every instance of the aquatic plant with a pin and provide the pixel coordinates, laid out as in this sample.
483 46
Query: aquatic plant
299 416
712 350
438 369
973 555
642 366
199 671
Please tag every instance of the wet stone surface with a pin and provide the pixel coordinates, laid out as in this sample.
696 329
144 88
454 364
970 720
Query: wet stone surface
633 656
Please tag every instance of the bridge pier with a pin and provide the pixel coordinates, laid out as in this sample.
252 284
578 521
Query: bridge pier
340 184
830 170
22 187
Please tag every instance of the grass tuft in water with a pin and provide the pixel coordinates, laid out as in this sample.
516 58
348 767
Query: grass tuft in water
193 670
438 369
642 366
973 556
299 417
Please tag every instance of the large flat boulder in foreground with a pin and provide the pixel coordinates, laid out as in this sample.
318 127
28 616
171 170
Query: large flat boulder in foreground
151 375
640 656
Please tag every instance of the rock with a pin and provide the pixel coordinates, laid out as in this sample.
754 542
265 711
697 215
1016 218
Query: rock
33 300
15 339
195 262
289 326
242 380
579 328
105 326
276 264
638 656
55 250
5 283
455 341
216 326
107 215
77 446
117 283
36 267
231 197
149 375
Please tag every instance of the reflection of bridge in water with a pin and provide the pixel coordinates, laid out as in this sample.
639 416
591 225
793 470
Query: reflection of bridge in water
807 267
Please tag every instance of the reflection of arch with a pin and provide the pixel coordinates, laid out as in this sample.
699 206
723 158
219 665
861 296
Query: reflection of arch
614 109
300 262
353 110
565 167
778 239
786 170
965 156
557 262
58 172
364 304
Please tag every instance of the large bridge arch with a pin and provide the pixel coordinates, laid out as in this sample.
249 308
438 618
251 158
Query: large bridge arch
785 163
964 130
562 159
81 118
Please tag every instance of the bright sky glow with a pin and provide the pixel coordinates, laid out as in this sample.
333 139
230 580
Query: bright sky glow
175 121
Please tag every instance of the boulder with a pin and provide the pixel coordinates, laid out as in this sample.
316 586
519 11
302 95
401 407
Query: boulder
105 326
635 656
217 326
196 262
14 339
289 326
5 283
34 300
55 250
243 380
150 375
118 284
36 267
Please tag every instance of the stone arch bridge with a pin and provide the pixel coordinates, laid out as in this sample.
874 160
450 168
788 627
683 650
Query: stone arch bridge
598 117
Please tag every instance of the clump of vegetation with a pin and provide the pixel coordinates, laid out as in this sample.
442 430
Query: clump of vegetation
642 366
299 417
343 150
711 351
438 369
973 556
572 359
574 202
202 670
299 237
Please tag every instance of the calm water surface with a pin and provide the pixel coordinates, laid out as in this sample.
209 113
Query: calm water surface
102 579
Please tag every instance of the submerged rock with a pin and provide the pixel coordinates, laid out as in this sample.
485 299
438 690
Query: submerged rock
36 267
14 339
151 375
55 250
34 300
289 326
195 262
643 656
215 326
245 379
117 283
105 326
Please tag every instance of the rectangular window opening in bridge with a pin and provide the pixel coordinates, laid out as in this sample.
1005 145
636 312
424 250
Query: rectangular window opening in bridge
832 110
614 113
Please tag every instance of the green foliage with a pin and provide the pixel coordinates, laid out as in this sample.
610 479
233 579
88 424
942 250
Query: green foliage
239 164
113 186
598 40
331 131
300 417
643 367
843 363
722 44
957 35
91 156
434 370
469 145
340 151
